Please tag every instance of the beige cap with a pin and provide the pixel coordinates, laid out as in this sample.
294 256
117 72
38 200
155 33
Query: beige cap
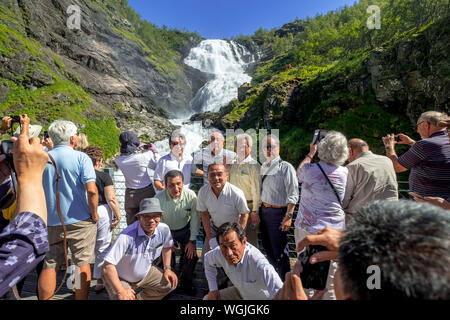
34 131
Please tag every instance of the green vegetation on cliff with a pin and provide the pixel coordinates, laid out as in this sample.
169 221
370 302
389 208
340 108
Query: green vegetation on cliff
57 97
34 80
344 76
162 45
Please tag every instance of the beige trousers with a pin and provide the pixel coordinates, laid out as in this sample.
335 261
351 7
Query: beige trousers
152 287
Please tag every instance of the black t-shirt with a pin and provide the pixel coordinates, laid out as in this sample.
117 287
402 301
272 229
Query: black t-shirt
103 180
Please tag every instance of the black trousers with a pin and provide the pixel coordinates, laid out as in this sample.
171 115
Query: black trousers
275 241
187 266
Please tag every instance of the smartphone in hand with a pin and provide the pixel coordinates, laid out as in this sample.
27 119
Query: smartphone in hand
313 276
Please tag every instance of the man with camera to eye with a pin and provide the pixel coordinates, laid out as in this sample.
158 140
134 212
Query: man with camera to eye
24 241
428 159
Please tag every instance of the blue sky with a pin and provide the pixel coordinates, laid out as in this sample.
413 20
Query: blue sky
218 19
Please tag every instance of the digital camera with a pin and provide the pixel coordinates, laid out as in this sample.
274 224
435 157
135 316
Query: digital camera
319 134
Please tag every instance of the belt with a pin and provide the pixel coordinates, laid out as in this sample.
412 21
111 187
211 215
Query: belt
272 206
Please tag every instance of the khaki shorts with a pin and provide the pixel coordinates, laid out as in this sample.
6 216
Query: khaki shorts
80 240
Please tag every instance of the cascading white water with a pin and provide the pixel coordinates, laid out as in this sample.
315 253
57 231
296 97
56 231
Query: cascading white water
226 60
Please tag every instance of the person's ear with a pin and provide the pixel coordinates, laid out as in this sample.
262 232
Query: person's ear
244 241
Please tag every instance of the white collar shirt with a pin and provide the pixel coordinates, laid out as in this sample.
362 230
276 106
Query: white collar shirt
133 252
254 277
135 168
226 208
280 186
205 158
170 162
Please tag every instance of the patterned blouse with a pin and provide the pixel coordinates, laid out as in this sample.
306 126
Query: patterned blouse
319 206
23 244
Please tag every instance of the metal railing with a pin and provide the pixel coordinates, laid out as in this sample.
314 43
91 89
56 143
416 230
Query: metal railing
196 183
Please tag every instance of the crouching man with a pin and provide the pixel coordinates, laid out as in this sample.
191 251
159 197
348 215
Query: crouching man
129 266
253 277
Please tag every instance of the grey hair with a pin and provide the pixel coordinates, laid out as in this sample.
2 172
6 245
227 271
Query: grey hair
246 137
410 244
228 227
274 139
333 149
60 132
213 131
433 117
175 135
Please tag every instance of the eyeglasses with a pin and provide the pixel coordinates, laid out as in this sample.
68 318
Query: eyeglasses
270 147
152 217
417 125
175 143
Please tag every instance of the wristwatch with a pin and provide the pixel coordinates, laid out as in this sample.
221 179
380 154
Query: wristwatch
389 148
167 268
289 215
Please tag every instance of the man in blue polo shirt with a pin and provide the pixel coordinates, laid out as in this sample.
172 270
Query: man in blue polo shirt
78 197
428 159
130 264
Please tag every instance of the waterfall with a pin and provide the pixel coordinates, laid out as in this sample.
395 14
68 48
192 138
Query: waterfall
226 61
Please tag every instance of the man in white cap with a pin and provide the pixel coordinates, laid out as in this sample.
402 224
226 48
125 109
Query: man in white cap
129 266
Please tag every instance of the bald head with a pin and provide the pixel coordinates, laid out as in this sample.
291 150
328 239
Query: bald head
356 147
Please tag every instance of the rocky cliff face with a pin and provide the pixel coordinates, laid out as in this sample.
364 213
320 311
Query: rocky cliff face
102 58
368 95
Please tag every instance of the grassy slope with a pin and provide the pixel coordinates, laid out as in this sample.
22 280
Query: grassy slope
325 104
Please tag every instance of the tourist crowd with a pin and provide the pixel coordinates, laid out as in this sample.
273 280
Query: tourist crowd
355 239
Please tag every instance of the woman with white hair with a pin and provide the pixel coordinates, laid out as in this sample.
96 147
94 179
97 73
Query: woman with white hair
322 192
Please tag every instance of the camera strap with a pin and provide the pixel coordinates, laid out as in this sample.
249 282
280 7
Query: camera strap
332 186
58 206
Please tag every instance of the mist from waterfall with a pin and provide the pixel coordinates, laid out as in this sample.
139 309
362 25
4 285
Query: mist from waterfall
226 61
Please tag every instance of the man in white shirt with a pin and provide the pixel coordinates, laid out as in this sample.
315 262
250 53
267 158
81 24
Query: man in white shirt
175 160
219 202
213 153
128 265
253 277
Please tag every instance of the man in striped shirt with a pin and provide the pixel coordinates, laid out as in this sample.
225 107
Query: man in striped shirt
428 159
279 196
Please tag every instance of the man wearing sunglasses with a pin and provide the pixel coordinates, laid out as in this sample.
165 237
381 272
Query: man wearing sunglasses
175 160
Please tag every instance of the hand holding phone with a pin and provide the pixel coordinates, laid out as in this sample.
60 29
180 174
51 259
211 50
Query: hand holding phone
313 276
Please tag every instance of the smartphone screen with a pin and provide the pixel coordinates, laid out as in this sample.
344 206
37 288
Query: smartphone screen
313 276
